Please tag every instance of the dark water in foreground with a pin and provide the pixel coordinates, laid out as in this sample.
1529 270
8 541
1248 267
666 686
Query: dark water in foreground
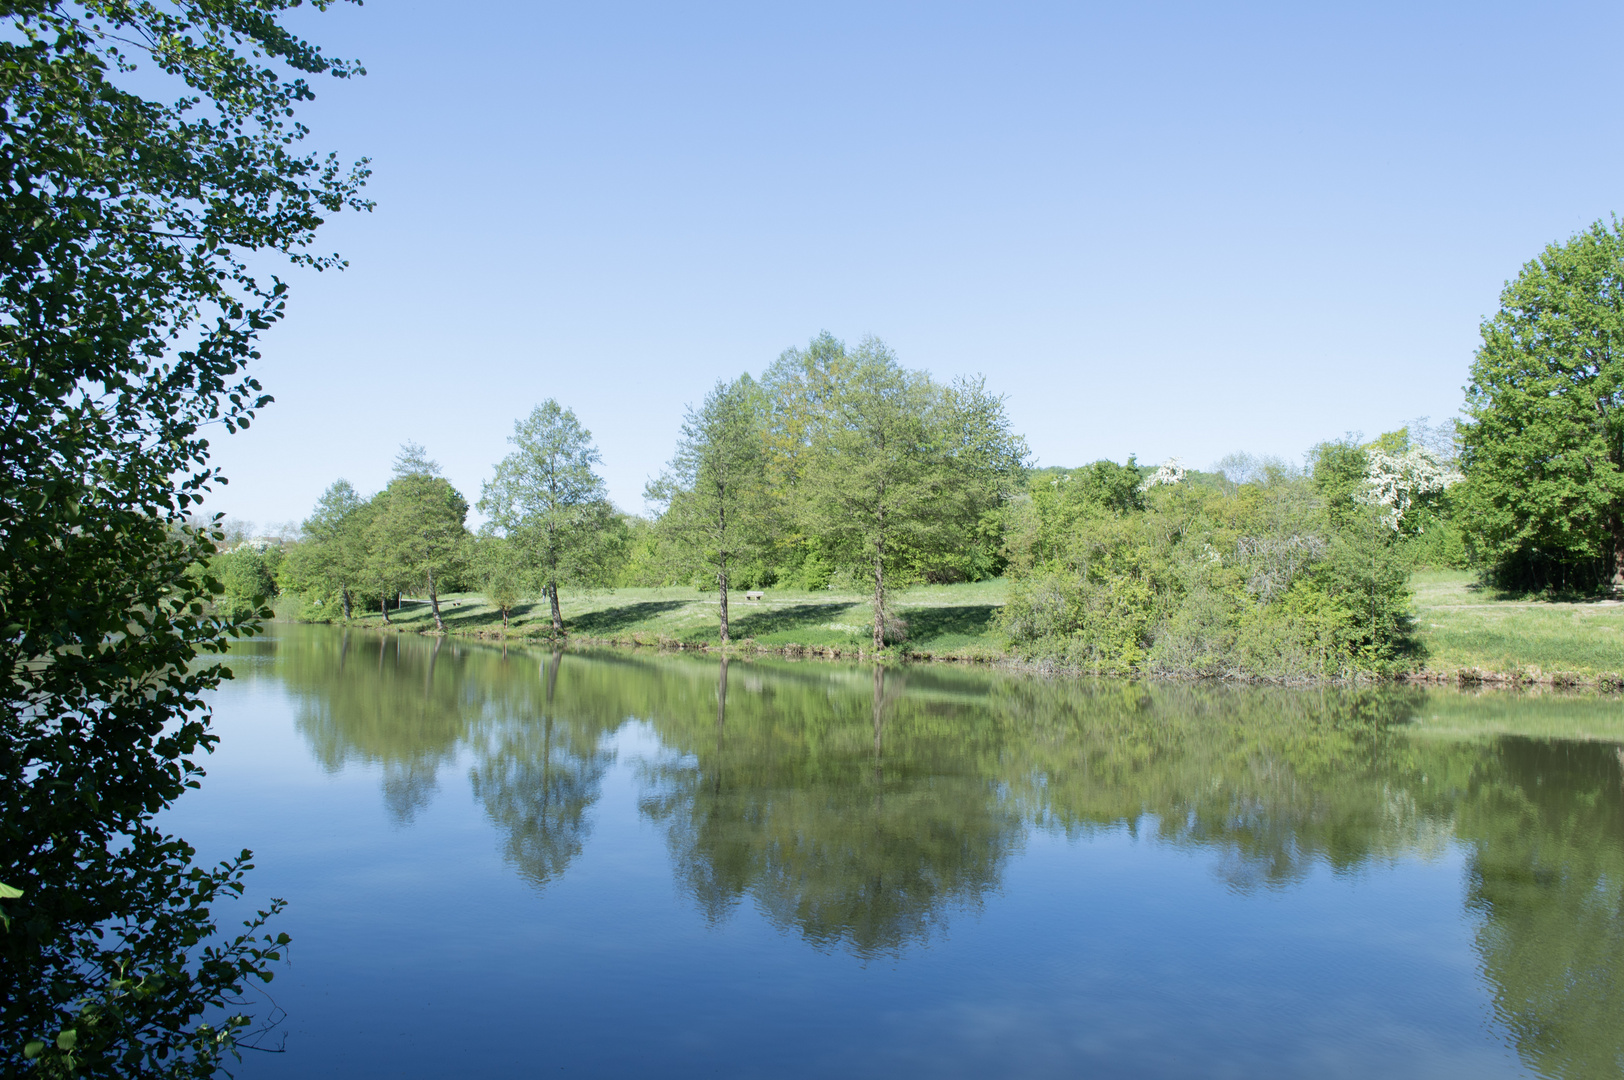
602 864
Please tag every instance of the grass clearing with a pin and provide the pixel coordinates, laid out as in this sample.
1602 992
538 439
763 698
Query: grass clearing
1463 625
943 620
1460 625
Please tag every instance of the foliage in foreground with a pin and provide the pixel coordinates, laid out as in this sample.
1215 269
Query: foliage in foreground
127 311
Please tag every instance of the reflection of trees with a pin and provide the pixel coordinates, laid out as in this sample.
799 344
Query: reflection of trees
412 704
1546 821
816 797
862 808
1273 780
537 778
399 701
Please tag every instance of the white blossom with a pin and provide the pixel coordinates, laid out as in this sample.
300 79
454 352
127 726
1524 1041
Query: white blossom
1171 472
1392 481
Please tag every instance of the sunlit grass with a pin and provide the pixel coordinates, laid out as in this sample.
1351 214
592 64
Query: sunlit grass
1459 625
1464 626
941 618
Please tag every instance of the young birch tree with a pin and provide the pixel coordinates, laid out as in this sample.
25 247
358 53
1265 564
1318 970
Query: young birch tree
498 568
547 499
715 489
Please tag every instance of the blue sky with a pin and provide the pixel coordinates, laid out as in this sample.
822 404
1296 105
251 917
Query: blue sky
1164 229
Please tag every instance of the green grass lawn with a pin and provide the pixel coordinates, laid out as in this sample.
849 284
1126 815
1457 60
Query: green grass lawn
942 619
1462 625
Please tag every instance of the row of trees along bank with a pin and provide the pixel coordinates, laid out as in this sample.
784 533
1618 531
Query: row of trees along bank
836 463
842 466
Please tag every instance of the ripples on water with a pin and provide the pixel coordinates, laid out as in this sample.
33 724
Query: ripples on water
514 863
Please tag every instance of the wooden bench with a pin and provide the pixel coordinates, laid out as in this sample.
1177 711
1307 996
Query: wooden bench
754 594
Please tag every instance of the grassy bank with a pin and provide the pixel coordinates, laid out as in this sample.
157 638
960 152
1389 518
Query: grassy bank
1462 627
1465 627
943 620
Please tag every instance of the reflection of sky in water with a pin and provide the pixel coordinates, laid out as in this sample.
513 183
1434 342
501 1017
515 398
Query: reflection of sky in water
630 891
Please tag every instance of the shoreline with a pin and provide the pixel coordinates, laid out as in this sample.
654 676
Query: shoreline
1531 677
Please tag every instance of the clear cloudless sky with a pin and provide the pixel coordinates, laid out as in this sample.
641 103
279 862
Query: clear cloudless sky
1170 229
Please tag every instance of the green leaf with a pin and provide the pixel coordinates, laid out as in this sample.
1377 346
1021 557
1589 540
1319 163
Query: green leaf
9 892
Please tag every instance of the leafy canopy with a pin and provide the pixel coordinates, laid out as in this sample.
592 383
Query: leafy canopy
128 309
1543 443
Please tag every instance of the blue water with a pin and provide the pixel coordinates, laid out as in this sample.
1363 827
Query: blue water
1134 944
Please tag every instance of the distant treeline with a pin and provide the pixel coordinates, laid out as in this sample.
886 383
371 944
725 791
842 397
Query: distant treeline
840 467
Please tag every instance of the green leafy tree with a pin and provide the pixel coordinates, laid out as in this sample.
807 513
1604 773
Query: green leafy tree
128 222
1543 443
248 574
419 534
873 479
900 475
499 568
718 511
547 499
328 564
984 463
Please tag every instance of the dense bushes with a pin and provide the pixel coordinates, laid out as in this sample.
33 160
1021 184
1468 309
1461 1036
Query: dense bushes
1283 576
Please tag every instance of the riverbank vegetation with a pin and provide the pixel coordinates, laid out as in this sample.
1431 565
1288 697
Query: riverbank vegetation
840 482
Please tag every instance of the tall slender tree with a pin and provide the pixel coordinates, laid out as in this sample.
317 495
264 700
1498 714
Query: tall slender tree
546 497
717 508
329 561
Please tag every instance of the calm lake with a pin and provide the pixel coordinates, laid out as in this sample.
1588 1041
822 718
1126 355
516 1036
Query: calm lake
630 863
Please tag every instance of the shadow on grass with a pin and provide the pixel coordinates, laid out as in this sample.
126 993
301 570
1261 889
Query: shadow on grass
927 624
761 623
616 619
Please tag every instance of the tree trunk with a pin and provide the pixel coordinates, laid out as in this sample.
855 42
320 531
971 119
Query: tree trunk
721 585
879 597
383 603
552 594
345 595
434 602
504 618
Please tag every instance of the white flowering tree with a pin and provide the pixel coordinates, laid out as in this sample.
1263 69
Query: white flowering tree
1393 482
1169 472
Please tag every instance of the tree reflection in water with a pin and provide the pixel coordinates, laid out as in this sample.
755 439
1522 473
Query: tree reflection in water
537 777
862 808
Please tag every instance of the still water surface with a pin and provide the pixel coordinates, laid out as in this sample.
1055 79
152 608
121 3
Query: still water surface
525 864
